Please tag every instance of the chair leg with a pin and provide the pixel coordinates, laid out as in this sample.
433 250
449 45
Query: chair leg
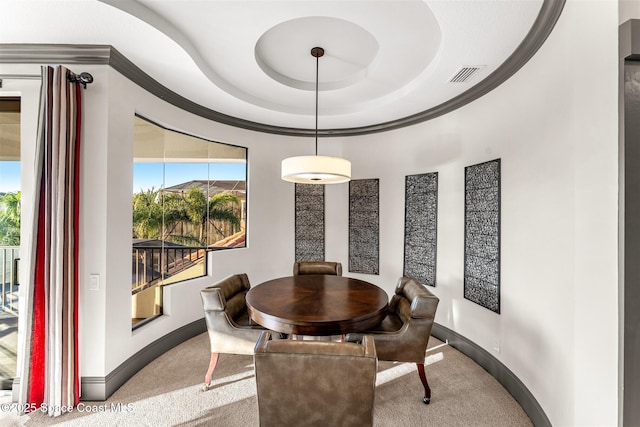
427 391
212 365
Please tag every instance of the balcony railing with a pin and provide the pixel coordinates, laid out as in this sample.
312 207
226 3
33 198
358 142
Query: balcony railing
152 265
9 278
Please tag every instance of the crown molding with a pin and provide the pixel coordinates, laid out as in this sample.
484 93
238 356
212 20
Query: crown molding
108 55
16 53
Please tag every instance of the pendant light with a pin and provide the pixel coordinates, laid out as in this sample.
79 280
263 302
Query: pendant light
316 169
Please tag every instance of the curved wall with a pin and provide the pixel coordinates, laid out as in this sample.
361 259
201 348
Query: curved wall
553 124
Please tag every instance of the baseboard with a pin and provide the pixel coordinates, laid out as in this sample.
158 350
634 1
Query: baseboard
509 381
100 388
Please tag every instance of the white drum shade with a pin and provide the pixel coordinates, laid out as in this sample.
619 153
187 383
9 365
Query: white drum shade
316 170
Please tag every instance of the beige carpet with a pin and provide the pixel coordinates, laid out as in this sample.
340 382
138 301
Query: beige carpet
167 393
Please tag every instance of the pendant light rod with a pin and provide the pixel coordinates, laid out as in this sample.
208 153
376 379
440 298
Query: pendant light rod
317 52
316 169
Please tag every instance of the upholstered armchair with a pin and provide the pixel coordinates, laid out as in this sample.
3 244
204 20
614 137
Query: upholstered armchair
228 324
317 267
315 383
404 333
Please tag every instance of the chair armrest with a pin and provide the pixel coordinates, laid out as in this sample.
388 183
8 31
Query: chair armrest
227 338
212 299
375 336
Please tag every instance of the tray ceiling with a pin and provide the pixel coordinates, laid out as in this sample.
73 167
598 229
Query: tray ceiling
387 63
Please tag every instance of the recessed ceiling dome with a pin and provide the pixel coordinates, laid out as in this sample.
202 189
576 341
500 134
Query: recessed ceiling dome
363 72
350 51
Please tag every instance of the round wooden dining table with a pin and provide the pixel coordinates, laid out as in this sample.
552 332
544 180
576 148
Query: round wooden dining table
317 304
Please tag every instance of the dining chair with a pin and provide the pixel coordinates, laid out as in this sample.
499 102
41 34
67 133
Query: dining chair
228 324
314 383
317 267
404 333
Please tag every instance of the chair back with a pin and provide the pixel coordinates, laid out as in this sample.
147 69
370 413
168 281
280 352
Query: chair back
226 316
317 267
315 383
228 296
417 301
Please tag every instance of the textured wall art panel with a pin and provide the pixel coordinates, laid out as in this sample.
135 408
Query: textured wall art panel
482 234
364 226
309 222
420 227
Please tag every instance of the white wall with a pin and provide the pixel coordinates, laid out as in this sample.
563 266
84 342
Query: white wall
553 124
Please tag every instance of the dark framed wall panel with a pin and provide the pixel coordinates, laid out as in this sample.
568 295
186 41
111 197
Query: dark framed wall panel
482 234
420 227
309 222
364 226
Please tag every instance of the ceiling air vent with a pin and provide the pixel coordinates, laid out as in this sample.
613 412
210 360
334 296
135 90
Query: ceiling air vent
465 73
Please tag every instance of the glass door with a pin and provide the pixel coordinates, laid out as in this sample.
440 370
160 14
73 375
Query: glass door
10 195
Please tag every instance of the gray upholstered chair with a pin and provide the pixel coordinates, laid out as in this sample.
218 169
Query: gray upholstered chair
317 267
404 333
228 324
314 383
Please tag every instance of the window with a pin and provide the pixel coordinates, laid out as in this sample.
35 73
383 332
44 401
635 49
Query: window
189 198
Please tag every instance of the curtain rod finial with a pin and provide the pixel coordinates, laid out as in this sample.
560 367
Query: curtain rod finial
83 78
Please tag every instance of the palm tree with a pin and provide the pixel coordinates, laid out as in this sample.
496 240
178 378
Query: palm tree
147 215
196 204
174 213
174 207
221 210
157 216
218 208
10 219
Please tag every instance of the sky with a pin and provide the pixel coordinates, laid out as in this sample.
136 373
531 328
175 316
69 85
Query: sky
147 175
9 176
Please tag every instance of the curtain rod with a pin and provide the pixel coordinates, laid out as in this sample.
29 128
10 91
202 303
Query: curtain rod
20 76
83 78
